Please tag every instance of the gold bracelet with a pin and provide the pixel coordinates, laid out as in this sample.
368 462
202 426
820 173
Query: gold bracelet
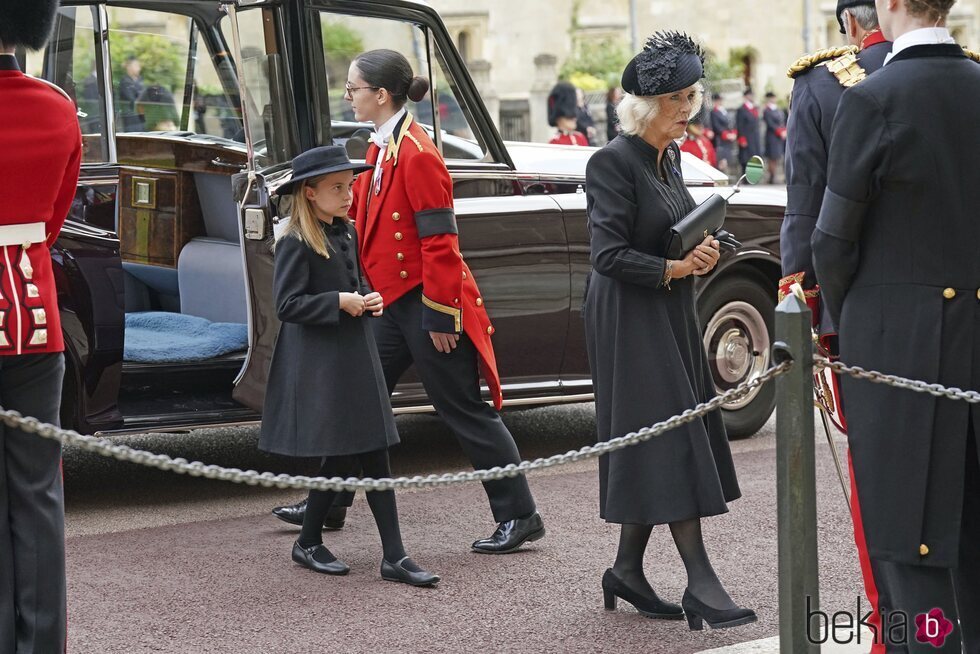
665 282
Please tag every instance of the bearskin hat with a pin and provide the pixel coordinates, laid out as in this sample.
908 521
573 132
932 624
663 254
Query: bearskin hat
562 103
27 23
670 61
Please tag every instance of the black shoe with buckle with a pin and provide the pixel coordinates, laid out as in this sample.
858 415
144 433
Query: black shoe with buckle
328 563
510 535
294 514
408 572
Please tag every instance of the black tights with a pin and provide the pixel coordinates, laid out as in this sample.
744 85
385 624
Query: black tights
382 503
701 578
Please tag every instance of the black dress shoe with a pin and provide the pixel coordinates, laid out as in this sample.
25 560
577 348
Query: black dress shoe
511 535
698 612
398 572
648 605
304 556
294 514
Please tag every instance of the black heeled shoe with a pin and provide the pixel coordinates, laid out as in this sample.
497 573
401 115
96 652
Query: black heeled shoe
398 572
650 606
698 613
304 557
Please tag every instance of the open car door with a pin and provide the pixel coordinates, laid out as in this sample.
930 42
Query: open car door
270 138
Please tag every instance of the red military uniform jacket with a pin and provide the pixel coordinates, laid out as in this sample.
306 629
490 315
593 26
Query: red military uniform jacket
407 236
569 138
700 147
40 155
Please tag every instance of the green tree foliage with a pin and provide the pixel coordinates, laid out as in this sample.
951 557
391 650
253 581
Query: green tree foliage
594 63
340 45
602 59
716 69
163 59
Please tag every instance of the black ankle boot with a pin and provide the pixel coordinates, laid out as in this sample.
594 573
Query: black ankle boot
650 606
698 612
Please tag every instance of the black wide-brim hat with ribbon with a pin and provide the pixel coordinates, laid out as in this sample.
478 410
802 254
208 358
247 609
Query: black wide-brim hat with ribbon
27 23
669 62
847 4
318 162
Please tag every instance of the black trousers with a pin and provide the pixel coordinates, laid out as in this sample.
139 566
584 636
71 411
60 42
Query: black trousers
452 382
916 590
32 510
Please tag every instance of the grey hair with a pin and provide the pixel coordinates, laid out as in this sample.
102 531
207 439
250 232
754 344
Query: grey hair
636 111
865 15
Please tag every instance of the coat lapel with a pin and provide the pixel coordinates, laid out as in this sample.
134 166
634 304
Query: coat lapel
375 201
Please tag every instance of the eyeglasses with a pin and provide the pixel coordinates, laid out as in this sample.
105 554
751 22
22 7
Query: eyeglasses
349 90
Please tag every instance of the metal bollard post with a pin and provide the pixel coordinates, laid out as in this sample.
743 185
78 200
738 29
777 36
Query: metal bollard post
796 479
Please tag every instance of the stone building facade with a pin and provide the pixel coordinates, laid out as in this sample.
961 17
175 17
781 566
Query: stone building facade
526 42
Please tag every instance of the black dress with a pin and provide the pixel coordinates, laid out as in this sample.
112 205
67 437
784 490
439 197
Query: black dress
326 394
644 346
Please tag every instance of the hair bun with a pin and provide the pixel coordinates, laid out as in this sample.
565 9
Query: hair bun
417 88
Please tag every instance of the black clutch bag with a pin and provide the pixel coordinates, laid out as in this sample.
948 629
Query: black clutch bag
706 218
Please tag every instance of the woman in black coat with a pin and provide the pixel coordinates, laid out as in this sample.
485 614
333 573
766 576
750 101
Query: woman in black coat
644 345
326 393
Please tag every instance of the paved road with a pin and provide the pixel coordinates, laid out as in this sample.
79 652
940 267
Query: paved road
161 563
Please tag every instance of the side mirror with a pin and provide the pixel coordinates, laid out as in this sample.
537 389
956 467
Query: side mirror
755 169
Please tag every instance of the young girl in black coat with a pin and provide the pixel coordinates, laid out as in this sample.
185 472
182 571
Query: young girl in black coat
326 393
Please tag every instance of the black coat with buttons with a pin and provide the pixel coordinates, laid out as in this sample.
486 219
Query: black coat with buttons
895 250
326 393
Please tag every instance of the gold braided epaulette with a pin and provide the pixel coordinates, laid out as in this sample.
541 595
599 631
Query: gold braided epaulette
414 140
975 56
806 62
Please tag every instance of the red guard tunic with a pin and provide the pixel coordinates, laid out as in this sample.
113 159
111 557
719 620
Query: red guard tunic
37 186
407 236
569 138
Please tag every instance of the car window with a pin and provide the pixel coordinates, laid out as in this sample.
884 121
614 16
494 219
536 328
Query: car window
458 137
344 37
71 62
273 133
163 78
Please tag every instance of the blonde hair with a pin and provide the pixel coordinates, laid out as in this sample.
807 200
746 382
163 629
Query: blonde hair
303 223
636 111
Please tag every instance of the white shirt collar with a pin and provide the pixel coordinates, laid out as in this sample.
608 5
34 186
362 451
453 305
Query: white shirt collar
921 36
387 128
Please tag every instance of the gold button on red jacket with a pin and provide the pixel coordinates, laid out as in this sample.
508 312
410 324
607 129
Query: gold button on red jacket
417 188
40 154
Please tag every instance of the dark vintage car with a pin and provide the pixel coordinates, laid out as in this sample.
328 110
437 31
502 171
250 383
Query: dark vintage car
164 266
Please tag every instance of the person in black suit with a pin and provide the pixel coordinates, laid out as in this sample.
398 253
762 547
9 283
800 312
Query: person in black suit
130 89
819 81
643 343
775 121
895 250
748 125
326 344
725 135
613 96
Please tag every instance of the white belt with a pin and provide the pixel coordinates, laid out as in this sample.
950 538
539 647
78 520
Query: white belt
26 234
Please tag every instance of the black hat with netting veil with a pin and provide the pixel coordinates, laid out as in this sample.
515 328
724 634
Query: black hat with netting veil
670 61
27 23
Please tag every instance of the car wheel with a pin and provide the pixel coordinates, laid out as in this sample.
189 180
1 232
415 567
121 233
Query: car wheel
737 313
